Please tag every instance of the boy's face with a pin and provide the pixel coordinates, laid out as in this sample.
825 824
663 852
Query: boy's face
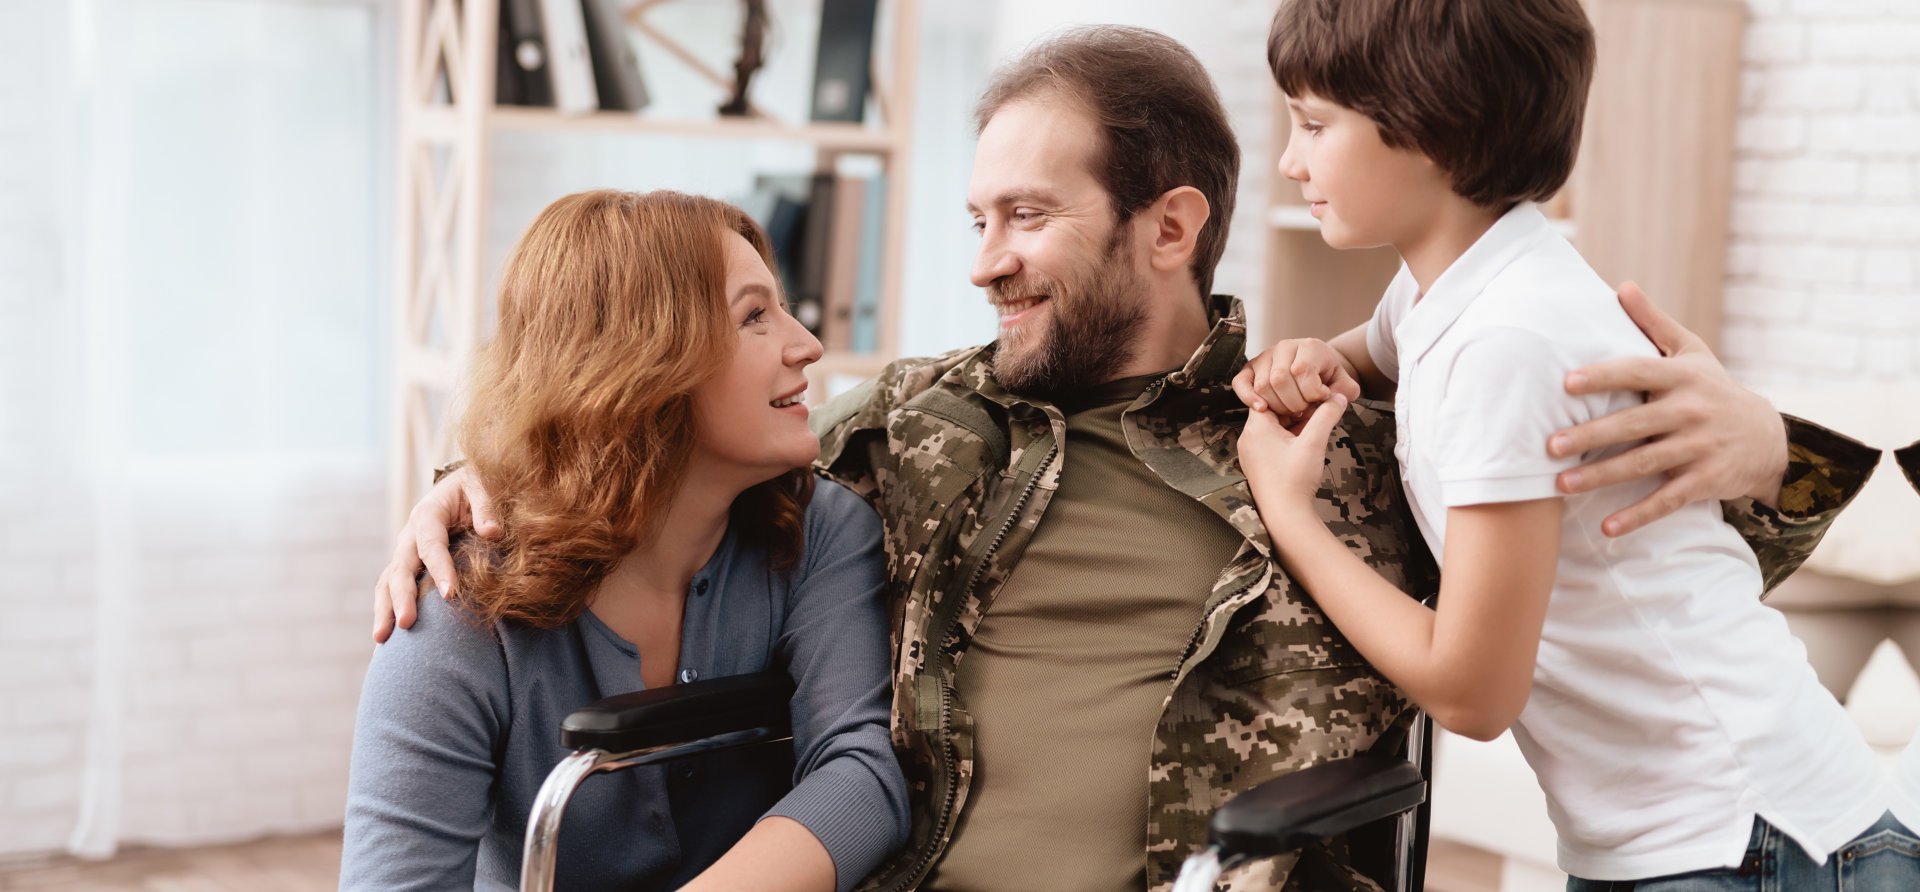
1363 192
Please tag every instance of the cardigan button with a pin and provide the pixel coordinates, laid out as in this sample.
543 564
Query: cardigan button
689 674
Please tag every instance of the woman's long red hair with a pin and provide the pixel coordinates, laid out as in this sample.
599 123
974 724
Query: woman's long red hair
579 419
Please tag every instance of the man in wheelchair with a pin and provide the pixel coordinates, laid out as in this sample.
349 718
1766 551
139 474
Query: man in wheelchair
1094 646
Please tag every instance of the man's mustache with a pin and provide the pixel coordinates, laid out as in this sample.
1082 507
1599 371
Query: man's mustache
1010 289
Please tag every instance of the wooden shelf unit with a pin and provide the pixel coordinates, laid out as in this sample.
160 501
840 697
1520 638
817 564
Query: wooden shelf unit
1649 196
447 118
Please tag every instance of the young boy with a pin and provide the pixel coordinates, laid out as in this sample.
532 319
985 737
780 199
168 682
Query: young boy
1669 716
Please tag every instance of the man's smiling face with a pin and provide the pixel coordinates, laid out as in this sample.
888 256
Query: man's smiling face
1062 272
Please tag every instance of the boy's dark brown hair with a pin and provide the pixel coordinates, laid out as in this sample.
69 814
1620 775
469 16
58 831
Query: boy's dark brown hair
1155 106
1492 90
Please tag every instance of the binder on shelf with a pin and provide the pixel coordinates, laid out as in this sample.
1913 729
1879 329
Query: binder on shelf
779 205
520 68
810 264
616 70
843 261
569 59
843 65
865 335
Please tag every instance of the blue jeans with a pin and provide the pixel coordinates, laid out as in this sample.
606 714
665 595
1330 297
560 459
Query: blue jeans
1886 858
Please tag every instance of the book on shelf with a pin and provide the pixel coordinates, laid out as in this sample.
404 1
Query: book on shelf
520 75
569 58
828 239
616 70
843 64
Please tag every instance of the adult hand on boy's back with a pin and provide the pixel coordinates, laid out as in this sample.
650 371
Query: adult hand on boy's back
1712 438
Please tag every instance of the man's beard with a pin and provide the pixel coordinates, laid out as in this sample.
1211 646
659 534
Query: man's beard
1092 324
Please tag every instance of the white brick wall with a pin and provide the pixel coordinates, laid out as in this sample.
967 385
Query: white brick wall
1823 267
249 653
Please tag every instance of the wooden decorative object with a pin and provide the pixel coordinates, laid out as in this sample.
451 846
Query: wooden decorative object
753 40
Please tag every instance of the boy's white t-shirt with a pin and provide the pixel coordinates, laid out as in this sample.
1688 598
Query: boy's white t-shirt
1669 706
1904 786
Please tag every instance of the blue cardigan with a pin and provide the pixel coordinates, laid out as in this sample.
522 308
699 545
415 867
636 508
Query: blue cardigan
460 722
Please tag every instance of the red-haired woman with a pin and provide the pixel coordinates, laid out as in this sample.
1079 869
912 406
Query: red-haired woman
637 418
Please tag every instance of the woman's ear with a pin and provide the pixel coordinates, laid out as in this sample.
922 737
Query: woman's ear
1176 218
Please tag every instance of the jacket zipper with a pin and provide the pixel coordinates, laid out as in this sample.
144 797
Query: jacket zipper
949 751
1193 641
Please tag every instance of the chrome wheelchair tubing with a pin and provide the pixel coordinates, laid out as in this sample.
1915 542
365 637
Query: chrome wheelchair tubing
1408 837
543 823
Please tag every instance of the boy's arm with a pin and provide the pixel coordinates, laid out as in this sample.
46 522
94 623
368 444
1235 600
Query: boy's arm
1352 347
1470 663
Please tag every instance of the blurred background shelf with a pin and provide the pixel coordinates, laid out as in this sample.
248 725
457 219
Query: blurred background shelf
449 122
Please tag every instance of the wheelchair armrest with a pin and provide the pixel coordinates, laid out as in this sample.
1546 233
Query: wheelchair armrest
682 713
1293 810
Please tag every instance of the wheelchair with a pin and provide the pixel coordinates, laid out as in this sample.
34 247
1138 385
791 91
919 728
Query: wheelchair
1278 816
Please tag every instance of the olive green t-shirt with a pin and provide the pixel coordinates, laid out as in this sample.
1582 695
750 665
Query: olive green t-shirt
1068 671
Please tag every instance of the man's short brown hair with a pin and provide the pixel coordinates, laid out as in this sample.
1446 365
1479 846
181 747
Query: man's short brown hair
1159 116
1492 90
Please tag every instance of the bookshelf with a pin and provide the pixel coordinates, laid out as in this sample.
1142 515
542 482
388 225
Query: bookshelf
447 119
1649 196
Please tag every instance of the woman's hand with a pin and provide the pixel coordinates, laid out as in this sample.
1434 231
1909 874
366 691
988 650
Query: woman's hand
1285 466
1712 438
455 499
1293 377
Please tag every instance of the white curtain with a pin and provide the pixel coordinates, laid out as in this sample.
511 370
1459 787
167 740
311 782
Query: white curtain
196 275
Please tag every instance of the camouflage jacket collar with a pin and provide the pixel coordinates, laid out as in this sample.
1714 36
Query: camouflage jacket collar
1224 351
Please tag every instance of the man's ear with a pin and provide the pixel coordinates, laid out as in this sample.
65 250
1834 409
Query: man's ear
1176 218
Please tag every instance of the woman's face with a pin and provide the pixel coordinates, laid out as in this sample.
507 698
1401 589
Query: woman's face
749 417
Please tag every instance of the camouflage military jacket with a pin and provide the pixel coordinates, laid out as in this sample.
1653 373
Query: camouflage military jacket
961 472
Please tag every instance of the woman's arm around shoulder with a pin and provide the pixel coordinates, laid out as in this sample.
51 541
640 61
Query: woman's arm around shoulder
434 704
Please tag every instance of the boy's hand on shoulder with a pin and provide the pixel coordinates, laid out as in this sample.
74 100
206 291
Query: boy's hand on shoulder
1286 464
1293 377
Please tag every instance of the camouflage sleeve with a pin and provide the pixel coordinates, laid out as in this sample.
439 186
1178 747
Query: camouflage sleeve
852 427
1825 470
837 421
1908 457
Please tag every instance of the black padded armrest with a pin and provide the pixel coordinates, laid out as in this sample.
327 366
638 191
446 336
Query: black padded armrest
1294 810
682 713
